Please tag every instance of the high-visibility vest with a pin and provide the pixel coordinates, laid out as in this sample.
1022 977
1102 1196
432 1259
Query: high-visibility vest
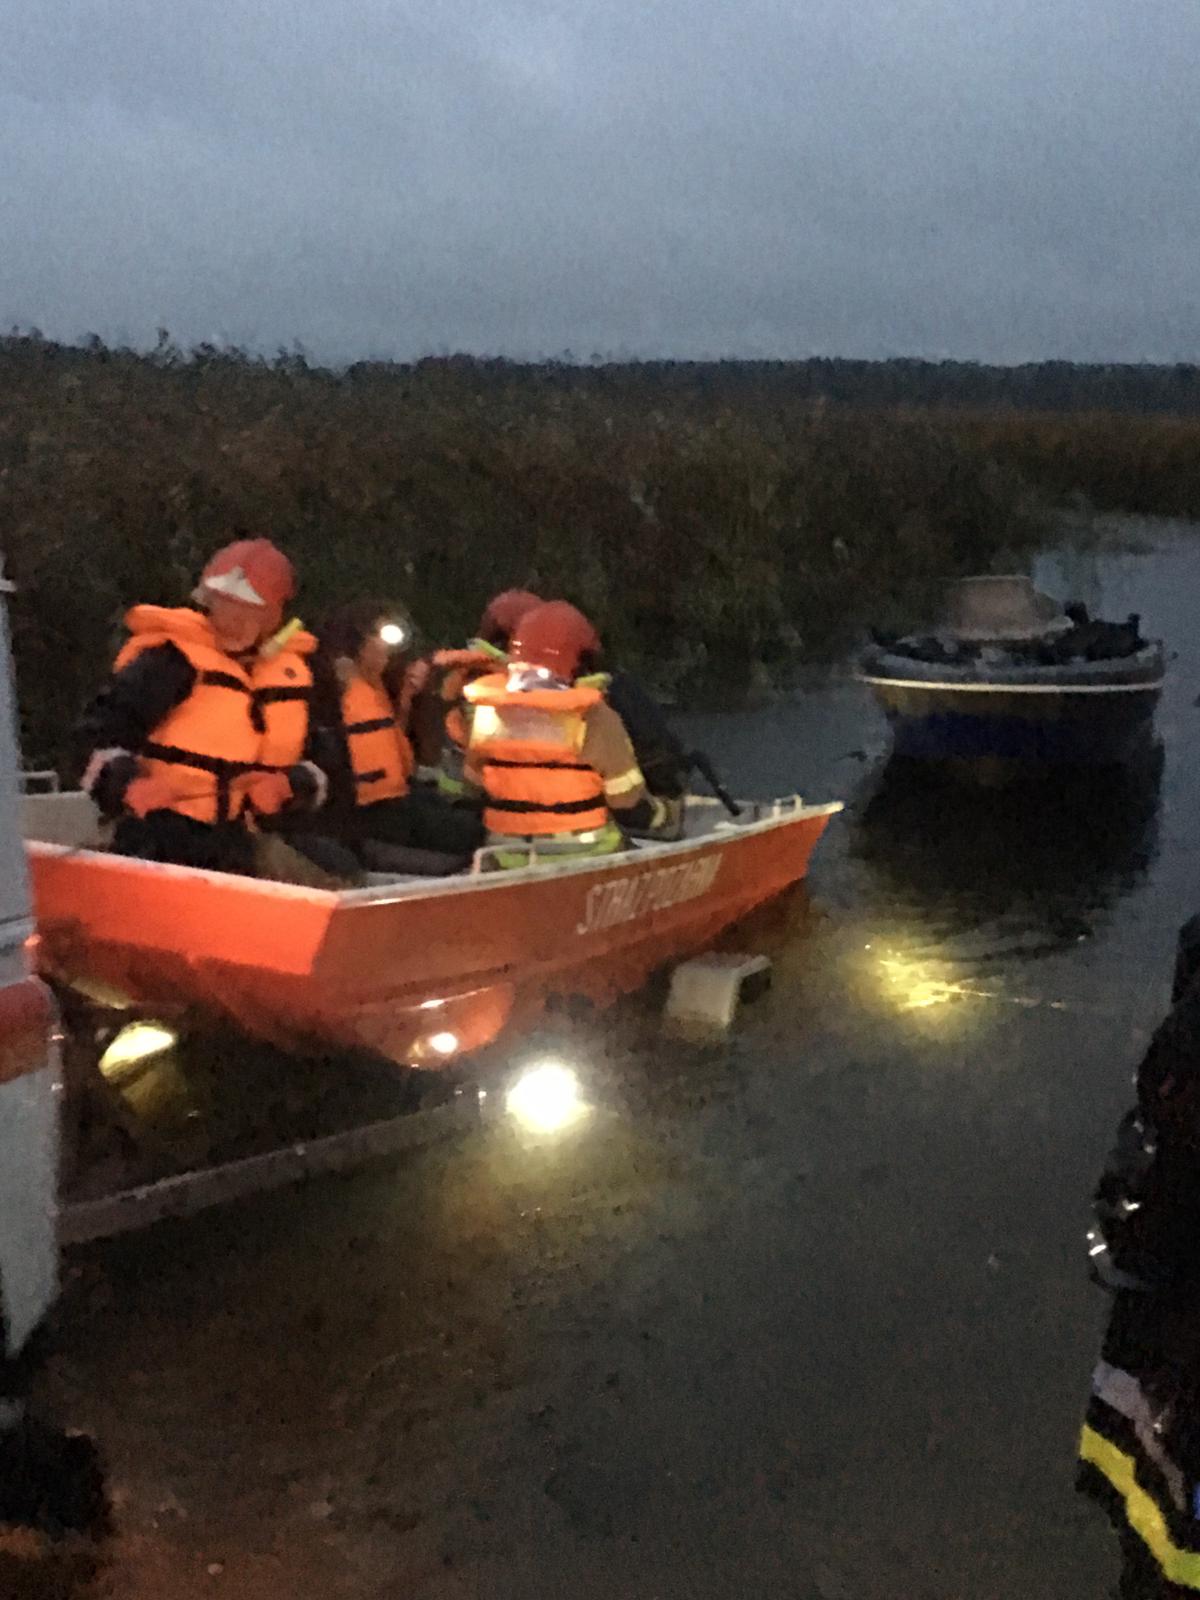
381 757
238 720
527 745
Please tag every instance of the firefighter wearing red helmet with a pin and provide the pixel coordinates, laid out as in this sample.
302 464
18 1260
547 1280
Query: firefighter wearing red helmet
503 613
203 727
556 637
554 760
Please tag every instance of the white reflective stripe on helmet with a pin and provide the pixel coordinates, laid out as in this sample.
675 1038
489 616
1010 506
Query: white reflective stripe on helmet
235 585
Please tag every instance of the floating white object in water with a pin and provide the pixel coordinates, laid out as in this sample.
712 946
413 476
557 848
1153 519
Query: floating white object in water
706 991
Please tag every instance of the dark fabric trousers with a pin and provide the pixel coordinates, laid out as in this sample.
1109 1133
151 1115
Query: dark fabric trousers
420 821
170 837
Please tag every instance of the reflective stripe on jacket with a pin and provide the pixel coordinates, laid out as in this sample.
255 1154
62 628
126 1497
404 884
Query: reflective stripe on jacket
239 720
526 744
381 757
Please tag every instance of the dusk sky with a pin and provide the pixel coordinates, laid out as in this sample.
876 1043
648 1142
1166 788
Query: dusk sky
994 179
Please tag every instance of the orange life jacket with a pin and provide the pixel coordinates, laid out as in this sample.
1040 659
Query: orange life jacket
458 668
380 754
238 720
527 744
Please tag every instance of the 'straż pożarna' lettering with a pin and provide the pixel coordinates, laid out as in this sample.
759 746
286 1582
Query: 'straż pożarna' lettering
610 904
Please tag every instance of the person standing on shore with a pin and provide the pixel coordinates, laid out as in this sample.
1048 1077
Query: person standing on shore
1139 1454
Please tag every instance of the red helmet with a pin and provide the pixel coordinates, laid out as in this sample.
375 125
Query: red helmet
504 612
250 570
553 636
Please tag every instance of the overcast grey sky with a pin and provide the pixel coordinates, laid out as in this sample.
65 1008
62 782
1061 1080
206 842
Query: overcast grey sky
1000 179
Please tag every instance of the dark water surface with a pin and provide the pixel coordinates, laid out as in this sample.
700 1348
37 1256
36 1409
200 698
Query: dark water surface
802 1313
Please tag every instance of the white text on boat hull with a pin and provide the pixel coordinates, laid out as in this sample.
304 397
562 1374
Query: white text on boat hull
628 898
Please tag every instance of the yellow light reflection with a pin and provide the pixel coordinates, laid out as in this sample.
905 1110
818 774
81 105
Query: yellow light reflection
134 1044
915 986
546 1098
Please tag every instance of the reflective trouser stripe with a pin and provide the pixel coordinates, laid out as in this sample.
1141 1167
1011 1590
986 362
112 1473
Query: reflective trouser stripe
541 850
1121 1391
1143 1515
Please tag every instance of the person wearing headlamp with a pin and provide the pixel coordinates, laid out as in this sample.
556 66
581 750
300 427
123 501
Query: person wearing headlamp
361 709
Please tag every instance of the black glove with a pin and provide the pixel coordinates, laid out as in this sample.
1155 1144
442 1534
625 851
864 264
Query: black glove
310 786
109 774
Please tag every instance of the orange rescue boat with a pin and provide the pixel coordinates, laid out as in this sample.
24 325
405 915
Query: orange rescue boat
413 970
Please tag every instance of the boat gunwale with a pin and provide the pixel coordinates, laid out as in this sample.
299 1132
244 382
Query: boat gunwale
955 686
668 849
1144 672
459 883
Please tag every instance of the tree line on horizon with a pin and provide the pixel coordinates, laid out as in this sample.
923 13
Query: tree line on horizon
1138 388
722 522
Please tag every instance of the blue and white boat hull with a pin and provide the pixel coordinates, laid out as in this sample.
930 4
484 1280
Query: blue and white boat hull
1080 715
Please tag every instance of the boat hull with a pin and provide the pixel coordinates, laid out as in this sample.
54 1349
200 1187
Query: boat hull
1016 717
1022 726
415 975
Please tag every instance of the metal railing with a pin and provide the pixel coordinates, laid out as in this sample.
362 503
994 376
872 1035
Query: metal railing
44 781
